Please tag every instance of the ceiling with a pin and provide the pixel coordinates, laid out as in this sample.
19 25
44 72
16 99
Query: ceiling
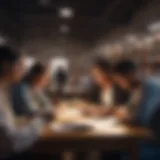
92 18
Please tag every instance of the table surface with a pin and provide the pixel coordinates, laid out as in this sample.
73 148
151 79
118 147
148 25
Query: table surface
125 131
122 136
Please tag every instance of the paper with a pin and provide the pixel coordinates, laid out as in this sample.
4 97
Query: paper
101 126
68 114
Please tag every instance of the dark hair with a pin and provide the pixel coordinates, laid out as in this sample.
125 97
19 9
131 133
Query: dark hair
8 56
36 70
103 65
125 67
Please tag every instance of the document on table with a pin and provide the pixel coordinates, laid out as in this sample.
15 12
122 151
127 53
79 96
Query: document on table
98 125
71 113
106 125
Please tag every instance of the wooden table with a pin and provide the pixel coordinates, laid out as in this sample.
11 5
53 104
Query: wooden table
53 142
126 140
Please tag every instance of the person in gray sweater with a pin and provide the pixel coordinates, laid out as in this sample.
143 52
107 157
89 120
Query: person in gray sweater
14 138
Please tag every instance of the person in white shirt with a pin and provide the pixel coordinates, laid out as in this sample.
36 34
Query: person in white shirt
101 73
13 138
102 91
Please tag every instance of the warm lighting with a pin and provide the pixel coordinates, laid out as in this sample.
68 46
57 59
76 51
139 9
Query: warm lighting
64 29
66 12
155 27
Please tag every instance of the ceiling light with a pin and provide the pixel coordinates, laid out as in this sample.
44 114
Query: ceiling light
44 2
66 12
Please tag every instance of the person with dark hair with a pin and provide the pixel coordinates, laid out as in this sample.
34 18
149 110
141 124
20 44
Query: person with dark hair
101 73
28 97
125 78
105 91
144 95
13 138
143 108
101 91
125 74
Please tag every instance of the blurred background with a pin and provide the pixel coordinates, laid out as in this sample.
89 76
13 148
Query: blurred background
78 29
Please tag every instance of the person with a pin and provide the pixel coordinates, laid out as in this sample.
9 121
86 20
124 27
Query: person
28 97
101 73
106 92
111 92
126 78
14 138
143 108
61 77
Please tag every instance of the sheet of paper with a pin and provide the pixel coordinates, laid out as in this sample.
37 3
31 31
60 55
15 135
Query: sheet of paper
105 125
71 113
100 126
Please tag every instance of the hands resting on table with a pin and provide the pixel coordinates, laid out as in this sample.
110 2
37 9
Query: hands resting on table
85 109
120 113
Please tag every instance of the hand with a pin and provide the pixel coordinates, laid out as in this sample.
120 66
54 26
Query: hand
85 110
122 114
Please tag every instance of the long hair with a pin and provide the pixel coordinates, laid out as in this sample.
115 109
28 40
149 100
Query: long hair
105 66
36 70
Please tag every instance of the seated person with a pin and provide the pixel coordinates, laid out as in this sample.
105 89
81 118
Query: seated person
28 96
105 92
143 108
14 138
125 77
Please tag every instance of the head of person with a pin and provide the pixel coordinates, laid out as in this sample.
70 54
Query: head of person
101 72
11 65
37 77
125 73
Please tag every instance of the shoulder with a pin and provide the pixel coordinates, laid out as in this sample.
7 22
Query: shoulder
152 83
20 89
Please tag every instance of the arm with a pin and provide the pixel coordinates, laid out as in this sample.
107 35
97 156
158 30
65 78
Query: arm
129 111
45 102
16 139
